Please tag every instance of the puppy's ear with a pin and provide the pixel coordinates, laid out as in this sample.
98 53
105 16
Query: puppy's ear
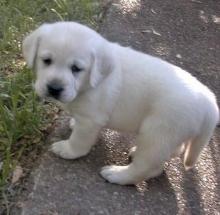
102 66
30 46
96 75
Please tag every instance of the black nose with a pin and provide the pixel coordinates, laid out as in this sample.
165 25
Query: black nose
54 89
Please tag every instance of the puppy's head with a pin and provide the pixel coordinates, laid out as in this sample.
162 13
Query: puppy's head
68 58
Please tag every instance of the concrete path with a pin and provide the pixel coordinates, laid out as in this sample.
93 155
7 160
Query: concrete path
186 33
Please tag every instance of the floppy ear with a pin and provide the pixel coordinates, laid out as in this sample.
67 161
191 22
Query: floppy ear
95 75
102 66
30 46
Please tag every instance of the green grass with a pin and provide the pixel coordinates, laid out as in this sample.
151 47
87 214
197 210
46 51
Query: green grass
21 115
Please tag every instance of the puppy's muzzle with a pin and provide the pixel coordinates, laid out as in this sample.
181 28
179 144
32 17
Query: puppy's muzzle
54 89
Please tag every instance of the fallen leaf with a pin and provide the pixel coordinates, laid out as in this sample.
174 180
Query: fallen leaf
37 140
17 174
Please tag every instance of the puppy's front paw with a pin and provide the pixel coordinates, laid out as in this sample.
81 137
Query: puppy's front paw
64 150
117 174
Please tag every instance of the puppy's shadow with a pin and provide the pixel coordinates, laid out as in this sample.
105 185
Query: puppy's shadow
155 196
192 193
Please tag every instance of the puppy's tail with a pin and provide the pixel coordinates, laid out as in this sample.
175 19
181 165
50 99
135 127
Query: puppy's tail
195 146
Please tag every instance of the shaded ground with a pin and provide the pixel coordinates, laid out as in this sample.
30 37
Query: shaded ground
186 33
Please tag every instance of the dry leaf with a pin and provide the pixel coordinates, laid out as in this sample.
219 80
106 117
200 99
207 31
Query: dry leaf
37 140
17 174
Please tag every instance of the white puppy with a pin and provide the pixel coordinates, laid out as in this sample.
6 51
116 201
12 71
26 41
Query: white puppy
104 84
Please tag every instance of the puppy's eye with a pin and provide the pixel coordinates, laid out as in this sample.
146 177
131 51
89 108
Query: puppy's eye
47 61
75 69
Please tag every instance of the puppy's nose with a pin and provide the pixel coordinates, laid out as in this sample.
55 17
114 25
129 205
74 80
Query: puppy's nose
54 89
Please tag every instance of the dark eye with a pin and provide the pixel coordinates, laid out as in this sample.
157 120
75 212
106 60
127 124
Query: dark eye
47 61
75 69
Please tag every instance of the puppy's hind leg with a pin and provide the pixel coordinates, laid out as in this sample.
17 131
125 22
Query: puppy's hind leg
153 149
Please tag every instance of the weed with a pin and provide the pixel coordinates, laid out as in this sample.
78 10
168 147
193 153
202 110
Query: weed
21 115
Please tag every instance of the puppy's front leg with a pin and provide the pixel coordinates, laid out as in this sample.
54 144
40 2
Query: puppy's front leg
80 142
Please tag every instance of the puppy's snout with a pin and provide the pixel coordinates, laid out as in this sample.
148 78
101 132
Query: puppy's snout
54 89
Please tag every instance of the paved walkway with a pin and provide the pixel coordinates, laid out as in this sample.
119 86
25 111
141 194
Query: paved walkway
186 33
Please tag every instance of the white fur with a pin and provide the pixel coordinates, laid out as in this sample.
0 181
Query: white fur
122 89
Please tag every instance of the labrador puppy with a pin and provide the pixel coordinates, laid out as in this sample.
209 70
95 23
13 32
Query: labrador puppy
102 84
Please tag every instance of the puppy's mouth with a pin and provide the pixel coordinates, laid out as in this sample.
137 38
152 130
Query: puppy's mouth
61 98
58 93
52 98
55 94
47 97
